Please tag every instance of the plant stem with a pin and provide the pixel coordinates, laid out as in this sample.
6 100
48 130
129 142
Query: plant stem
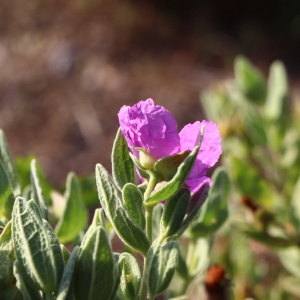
149 211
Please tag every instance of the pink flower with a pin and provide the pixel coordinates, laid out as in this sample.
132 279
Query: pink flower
154 129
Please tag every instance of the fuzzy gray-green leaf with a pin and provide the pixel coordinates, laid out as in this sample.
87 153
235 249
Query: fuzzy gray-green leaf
214 211
173 186
27 292
36 190
74 217
66 280
6 253
133 201
11 293
94 271
33 248
170 254
130 233
130 276
8 165
122 165
6 195
56 250
174 212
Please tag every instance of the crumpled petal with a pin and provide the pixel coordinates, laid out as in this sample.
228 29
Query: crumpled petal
210 150
151 127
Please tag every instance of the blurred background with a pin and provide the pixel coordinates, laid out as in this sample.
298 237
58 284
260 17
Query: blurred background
67 67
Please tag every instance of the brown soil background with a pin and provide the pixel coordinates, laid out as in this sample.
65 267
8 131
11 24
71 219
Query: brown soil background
67 67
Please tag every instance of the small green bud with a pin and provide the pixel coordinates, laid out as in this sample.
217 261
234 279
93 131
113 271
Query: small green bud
147 161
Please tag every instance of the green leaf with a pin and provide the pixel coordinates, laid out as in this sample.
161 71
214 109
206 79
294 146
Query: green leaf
290 259
173 186
66 254
170 259
35 208
6 195
8 165
36 190
122 165
161 264
32 247
194 206
295 206
130 276
156 217
12 293
182 268
23 169
167 166
66 280
116 287
6 253
94 271
74 217
214 211
56 250
174 213
277 91
27 292
98 219
249 182
89 191
266 239
250 80
133 201
129 232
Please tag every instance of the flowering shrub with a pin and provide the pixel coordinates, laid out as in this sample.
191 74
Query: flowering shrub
173 166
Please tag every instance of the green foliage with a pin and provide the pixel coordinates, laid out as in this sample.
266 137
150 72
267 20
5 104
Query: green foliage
74 217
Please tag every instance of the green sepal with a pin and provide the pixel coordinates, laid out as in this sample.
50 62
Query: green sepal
277 91
8 165
167 166
130 276
197 200
250 80
122 165
66 254
133 201
141 169
27 292
174 213
36 190
6 195
75 216
174 185
6 257
214 212
32 248
94 275
65 291
11 293
161 265
56 250
129 232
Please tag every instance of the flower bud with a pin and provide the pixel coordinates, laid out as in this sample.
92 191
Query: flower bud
147 161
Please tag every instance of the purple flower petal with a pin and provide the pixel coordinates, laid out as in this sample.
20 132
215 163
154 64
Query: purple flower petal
197 183
210 148
151 127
